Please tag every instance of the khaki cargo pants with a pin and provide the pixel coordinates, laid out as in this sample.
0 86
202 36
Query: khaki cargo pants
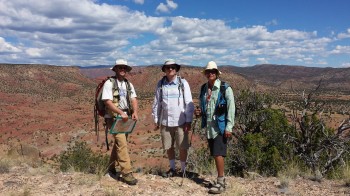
119 155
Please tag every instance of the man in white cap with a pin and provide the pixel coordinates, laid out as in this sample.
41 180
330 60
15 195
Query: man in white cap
119 97
218 113
172 112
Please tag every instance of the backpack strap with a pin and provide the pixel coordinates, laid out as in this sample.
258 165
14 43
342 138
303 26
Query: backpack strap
203 102
223 87
161 89
182 88
128 96
115 87
222 93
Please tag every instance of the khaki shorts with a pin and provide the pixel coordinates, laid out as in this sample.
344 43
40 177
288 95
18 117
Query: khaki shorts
170 135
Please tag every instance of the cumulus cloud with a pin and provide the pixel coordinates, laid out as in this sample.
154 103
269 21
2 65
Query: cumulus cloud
81 32
341 50
345 65
344 35
166 8
81 28
141 2
6 47
34 52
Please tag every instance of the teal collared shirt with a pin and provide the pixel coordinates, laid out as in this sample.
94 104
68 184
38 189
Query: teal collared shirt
212 129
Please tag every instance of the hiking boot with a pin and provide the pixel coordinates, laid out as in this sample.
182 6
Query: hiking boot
129 179
217 188
169 174
113 172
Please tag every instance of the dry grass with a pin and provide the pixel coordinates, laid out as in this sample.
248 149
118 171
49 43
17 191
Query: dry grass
23 192
112 192
4 166
235 189
291 172
86 179
346 175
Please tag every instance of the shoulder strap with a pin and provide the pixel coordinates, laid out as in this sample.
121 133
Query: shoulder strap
203 101
161 89
223 87
222 93
202 89
202 97
181 86
128 95
114 83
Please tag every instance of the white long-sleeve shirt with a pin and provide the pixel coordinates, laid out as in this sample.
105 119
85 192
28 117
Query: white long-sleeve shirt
172 108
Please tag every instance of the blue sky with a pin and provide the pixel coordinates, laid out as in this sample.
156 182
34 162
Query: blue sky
314 33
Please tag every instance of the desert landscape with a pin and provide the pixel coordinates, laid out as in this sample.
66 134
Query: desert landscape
45 108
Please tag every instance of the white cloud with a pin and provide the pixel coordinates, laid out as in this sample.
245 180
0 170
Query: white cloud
80 32
262 60
344 35
34 52
166 8
341 50
141 2
171 4
162 8
345 65
6 47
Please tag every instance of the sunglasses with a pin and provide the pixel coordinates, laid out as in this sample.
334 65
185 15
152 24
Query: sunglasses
121 67
170 67
211 71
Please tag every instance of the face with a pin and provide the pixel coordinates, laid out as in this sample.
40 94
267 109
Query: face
120 70
211 74
170 70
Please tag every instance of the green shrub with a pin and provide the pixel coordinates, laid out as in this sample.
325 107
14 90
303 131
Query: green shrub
200 161
81 158
262 145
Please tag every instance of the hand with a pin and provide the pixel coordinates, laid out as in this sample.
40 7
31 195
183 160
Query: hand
156 126
134 116
187 127
227 134
124 117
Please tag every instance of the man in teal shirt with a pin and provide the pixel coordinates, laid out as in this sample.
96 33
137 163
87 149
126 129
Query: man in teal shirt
211 113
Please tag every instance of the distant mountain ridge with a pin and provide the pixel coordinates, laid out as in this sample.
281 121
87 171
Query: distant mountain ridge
262 77
300 77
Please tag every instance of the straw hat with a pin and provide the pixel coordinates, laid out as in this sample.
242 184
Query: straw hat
211 65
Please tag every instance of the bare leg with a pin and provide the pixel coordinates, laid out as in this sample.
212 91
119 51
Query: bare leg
219 161
171 153
183 155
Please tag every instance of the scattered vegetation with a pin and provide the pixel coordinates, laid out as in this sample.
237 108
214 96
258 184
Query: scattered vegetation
271 142
4 166
81 158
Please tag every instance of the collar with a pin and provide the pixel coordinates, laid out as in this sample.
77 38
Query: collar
175 81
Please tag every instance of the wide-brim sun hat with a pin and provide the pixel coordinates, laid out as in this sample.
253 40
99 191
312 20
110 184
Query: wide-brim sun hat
171 62
211 65
121 62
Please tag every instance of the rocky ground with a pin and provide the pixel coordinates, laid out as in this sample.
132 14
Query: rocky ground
26 180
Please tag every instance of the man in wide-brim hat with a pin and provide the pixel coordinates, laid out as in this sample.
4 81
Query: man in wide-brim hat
172 112
120 99
121 63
